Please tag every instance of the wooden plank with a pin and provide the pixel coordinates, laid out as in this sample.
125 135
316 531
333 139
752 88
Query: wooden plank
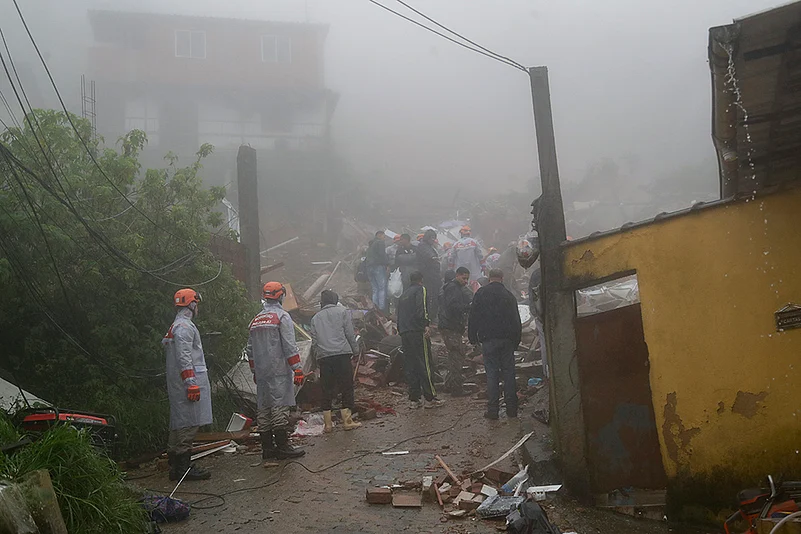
448 470
407 500
290 301
273 267
439 497
209 446
205 437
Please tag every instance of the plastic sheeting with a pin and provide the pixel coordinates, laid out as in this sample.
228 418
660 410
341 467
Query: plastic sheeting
608 296
242 379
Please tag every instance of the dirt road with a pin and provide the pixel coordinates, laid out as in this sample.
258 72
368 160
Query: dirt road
332 499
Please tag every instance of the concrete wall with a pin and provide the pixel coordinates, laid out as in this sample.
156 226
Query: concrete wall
726 386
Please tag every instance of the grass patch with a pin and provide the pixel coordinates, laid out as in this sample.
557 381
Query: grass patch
91 494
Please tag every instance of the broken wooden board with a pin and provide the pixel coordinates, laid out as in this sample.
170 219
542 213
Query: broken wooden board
290 300
241 436
407 500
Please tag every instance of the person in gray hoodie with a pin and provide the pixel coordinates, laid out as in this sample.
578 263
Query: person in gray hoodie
334 342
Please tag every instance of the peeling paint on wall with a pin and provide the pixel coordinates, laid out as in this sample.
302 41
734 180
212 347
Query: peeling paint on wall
747 404
721 408
677 436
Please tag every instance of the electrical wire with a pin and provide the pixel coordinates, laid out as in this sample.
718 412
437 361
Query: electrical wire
515 63
82 140
476 50
277 478
98 236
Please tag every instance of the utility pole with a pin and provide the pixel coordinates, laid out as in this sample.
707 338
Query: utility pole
249 218
559 302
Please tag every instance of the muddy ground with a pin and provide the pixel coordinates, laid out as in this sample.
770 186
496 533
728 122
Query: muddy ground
327 492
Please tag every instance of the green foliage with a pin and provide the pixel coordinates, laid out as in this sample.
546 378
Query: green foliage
89 486
115 311
8 433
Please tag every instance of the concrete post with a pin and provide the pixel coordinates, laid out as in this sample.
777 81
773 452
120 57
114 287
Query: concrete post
559 303
249 218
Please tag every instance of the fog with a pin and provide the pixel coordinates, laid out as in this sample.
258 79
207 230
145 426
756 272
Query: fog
629 80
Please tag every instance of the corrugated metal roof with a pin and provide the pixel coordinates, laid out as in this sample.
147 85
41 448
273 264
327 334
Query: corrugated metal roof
756 78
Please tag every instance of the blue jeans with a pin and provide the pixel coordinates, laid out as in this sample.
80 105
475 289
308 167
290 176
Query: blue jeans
378 280
499 362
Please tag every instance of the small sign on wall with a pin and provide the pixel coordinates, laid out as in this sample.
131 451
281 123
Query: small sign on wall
788 318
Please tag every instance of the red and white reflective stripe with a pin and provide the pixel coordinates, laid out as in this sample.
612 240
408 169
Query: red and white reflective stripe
169 334
187 373
262 320
293 360
252 364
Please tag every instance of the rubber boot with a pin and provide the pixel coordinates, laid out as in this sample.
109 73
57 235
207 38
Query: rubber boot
329 426
347 420
283 449
267 446
195 471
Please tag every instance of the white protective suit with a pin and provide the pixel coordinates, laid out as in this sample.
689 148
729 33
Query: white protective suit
184 353
274 355
467 253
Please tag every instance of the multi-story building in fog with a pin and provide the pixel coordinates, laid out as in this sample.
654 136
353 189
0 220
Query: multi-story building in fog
188 80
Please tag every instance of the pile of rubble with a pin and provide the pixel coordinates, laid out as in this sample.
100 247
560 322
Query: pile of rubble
488 493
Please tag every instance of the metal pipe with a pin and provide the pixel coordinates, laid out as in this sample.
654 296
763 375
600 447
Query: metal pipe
724 107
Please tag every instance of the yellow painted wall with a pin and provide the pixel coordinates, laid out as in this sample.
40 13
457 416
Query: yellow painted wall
726 386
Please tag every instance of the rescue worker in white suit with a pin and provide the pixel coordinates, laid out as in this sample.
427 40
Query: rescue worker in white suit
275 363
187 386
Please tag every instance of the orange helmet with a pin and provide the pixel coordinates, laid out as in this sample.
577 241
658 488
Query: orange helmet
185 297
273 290
396 238
447 245
492 250
419 237
464 230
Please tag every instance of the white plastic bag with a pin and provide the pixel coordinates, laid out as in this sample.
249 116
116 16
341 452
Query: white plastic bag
395 285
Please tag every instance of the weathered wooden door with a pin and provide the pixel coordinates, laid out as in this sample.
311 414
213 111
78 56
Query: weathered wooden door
623 445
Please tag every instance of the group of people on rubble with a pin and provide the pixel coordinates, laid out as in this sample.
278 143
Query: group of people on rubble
490 316
426 256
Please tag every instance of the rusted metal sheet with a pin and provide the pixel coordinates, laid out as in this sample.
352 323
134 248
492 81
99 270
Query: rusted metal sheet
623 445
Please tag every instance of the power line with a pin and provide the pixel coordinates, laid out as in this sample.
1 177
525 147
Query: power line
476 50
101 239
518 65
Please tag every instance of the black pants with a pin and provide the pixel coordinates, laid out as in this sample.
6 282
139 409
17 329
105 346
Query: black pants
336 375
432 297
499 362
419 366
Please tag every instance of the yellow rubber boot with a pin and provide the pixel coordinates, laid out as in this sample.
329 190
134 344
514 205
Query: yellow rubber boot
329 427
347 420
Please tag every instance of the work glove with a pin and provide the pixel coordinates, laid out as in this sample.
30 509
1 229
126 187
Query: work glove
193 393
298 380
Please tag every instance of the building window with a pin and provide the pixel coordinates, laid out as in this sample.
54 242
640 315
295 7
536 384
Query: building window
143 114
276 49
190 44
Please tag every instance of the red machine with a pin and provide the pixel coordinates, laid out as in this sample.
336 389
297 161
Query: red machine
102 428
758 503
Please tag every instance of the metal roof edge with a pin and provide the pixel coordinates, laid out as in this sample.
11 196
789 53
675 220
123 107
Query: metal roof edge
695 208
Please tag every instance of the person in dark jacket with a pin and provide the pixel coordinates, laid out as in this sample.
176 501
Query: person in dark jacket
405 259
495 323
428 263
413 326
377 264
454 307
